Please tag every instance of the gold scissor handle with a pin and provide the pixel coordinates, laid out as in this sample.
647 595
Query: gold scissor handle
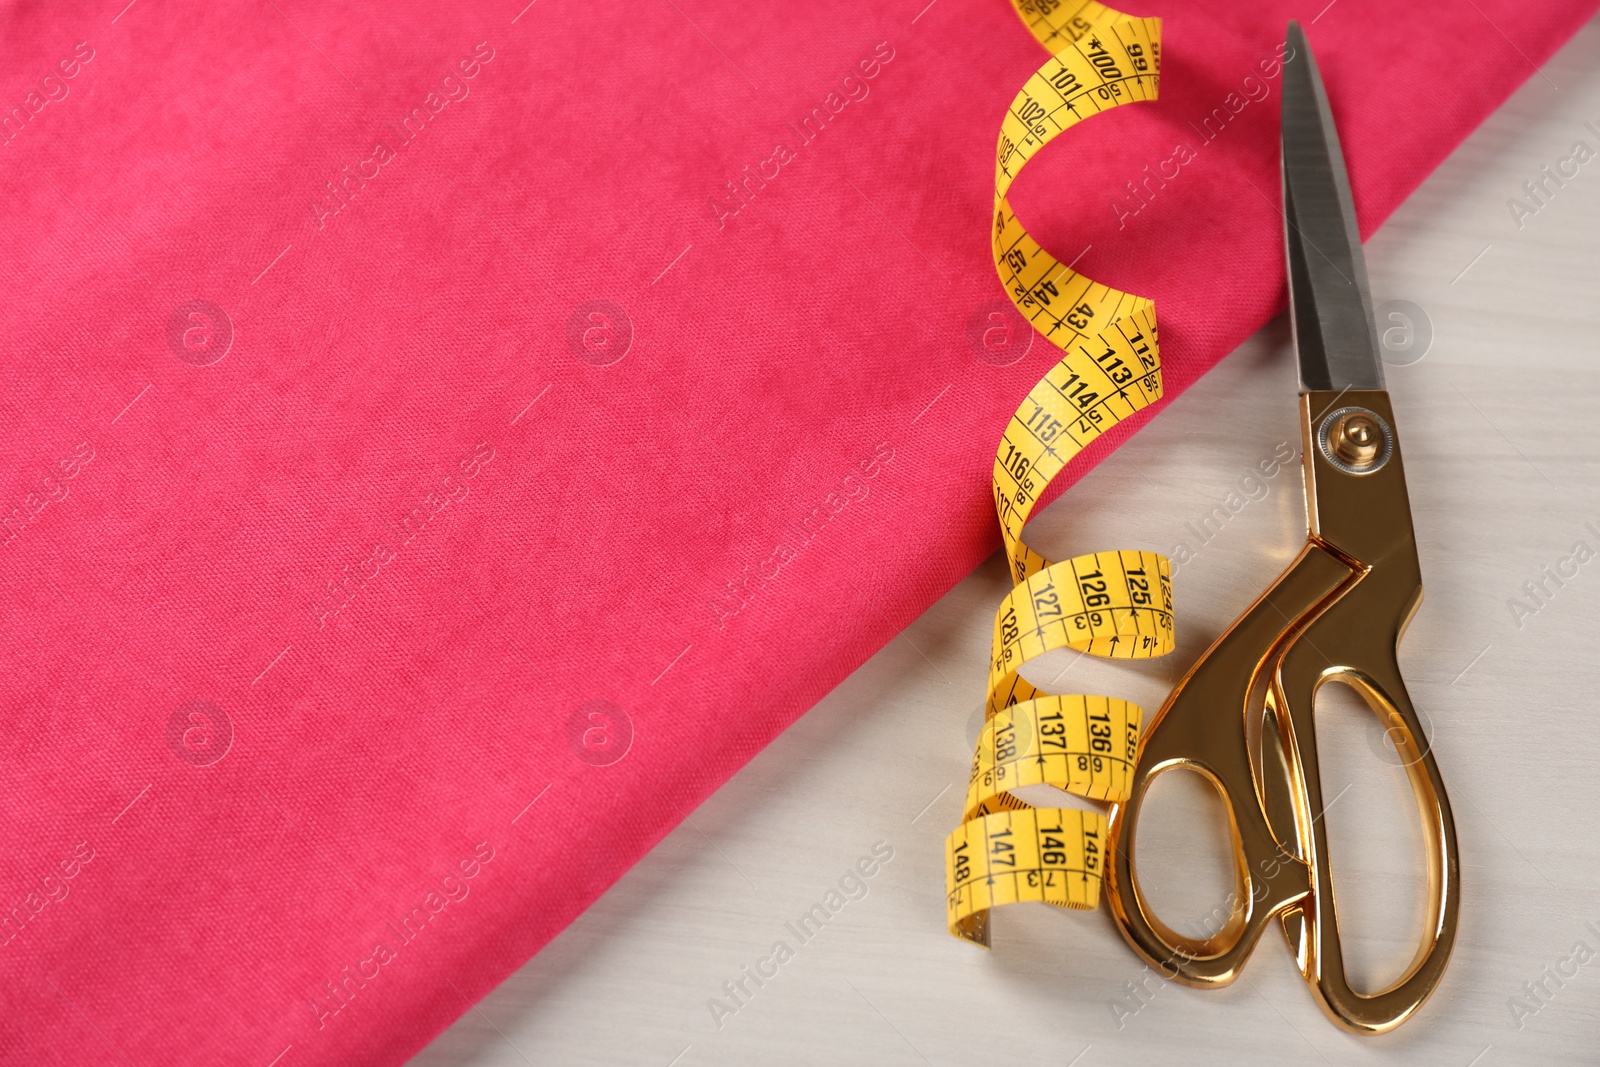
1336 614
1362 627
1203 728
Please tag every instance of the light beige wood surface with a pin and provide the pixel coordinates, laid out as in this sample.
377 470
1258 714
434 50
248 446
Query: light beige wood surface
1499 425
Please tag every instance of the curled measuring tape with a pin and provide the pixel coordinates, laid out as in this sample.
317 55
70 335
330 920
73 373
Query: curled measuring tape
1113 604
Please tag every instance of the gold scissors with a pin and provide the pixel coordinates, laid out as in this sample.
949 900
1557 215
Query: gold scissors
1336 614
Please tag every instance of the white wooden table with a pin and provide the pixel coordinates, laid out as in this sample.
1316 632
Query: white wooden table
1499 422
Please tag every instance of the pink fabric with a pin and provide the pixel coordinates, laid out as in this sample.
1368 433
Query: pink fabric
292 638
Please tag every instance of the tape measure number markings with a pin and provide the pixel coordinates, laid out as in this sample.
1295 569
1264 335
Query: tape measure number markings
1113 604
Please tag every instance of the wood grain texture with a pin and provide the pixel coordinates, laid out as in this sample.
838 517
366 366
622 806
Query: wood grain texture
1498 422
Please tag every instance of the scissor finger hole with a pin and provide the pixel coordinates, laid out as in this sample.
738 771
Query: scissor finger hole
1183 855
1376 848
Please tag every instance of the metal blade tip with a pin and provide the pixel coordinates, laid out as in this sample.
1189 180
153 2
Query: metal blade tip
1328 289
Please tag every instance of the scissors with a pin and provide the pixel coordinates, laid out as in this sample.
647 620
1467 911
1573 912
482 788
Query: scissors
1336 614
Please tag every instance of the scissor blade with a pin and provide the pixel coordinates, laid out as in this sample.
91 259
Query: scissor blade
1329 302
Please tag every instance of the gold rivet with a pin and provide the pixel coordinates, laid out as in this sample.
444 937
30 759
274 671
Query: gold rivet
1356 438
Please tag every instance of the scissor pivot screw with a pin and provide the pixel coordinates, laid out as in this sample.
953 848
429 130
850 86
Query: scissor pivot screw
1355 440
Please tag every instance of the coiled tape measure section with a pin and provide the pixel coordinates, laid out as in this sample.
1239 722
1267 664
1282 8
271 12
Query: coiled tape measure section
1113 604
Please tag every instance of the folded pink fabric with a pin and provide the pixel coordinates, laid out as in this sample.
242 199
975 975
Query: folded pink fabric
443 442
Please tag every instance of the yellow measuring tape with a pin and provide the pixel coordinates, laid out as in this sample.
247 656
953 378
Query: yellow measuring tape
1114 604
